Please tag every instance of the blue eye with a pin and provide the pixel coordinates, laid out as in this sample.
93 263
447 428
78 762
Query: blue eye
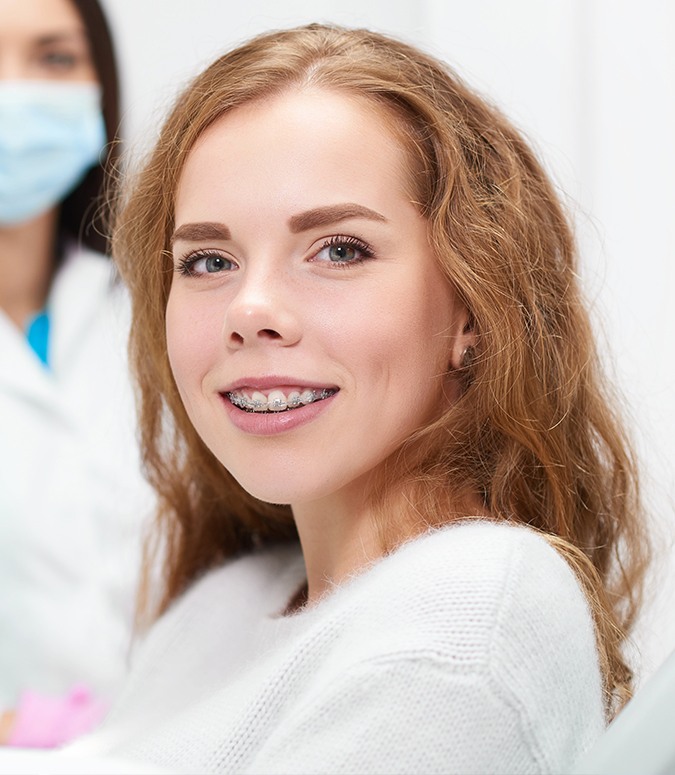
216 264
343 251
205 263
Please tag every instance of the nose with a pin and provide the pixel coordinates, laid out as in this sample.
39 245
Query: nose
261 314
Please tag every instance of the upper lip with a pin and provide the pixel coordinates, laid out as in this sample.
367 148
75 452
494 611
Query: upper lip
272 381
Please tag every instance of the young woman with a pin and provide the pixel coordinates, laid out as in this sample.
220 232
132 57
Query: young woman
71 492
399 514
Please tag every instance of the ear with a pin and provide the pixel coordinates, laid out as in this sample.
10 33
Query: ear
464 339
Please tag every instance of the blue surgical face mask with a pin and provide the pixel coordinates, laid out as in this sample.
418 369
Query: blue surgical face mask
50 135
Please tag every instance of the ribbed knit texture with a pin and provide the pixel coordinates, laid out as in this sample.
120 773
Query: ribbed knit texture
468 650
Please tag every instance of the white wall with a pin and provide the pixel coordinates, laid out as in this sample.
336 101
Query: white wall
592 82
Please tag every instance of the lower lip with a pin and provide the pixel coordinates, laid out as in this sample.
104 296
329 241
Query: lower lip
272 423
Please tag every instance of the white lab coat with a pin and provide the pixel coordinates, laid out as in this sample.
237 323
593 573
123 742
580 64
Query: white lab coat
73 503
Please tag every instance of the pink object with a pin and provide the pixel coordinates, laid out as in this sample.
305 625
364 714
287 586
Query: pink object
47 722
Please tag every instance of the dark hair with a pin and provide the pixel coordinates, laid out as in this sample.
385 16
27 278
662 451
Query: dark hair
84 211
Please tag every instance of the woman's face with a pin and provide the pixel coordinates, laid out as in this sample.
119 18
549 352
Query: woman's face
43 40
309 326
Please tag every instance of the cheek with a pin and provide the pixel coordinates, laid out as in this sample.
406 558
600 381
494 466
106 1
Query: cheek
415 319
401 346
419 331
189 343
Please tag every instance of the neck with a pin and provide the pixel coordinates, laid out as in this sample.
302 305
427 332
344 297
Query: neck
26 266
339 537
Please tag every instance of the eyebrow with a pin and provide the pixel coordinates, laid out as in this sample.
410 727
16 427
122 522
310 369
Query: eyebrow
323 216
196 232
319 216
66 36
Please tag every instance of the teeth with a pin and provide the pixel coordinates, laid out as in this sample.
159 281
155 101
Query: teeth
258 402
276 400
307 396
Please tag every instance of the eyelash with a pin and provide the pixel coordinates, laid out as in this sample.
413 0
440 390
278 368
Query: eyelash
185 265
351 242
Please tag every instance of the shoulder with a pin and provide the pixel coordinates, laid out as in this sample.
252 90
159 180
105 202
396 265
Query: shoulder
90 310
488 579
86 285
481 546
497 604
516 589
487 599
83 266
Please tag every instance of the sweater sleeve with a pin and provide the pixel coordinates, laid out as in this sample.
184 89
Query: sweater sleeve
402 716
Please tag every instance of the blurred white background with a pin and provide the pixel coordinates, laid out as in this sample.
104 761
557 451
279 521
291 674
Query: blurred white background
592 84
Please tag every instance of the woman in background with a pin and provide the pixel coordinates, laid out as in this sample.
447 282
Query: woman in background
72 497
400 516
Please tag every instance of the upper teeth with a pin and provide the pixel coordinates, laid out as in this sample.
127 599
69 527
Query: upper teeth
277 400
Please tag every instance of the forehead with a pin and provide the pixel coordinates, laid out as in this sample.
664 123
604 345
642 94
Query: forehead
38 18
302 143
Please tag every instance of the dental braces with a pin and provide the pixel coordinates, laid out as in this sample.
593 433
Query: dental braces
277 405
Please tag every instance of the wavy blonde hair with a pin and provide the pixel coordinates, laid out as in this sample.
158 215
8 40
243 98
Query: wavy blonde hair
535 431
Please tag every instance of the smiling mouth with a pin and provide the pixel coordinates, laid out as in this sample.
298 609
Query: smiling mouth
277 400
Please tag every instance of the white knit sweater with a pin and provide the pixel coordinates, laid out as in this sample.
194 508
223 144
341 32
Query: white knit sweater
469 650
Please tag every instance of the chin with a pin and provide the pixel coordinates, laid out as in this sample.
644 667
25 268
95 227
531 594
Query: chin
275 492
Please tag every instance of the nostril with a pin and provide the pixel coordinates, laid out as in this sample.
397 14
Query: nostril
238 339
270 333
